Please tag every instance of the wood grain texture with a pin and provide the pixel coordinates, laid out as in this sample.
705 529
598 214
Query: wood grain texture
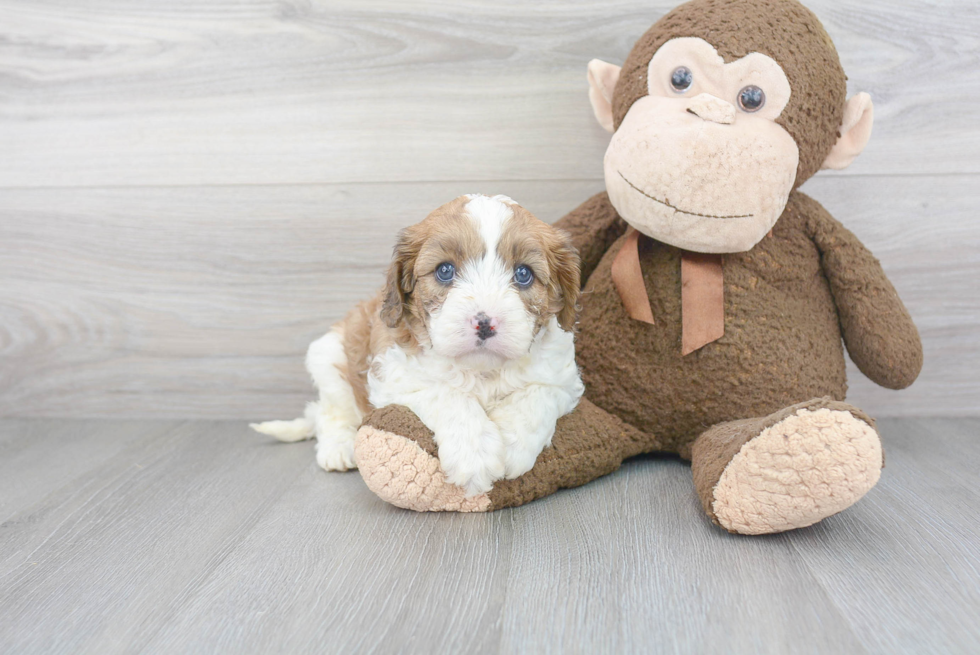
926 579
58 451
206 538
111 555
637 567
175 302
191 191
340 91
200 302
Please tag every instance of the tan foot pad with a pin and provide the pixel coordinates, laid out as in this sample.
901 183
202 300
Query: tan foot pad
400 472
806 467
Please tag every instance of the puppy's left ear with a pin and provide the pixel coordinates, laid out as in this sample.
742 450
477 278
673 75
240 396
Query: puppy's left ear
401 277
564 285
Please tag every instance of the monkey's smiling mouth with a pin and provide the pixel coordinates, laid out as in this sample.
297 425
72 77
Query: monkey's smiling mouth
677 209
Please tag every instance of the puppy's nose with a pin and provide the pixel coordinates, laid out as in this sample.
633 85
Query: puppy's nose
485 326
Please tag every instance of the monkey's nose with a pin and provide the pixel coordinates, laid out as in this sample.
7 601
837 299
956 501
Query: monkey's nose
485 326
707 107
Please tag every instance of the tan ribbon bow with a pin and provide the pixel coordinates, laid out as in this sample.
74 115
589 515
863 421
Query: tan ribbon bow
702 293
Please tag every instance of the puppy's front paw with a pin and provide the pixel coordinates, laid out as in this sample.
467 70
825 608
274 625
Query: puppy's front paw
336 455
523 441
518 460
473 465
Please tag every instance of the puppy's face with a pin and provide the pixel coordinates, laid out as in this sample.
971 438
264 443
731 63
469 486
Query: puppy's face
479 278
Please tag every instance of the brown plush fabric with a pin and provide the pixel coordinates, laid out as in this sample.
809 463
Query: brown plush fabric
878 331
782 340
402 421
588 444
782 29
717 446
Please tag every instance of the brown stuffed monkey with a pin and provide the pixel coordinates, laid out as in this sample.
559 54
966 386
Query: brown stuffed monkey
717 296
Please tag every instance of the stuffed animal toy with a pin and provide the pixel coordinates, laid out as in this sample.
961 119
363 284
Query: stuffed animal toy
717 296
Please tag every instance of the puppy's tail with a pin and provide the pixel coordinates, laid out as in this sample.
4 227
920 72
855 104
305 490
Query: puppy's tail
296 430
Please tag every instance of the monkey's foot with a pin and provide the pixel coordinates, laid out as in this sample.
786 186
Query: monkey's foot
787 470
398 459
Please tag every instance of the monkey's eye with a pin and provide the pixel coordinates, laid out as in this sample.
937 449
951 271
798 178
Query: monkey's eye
751 98
523 276
445 272
681 79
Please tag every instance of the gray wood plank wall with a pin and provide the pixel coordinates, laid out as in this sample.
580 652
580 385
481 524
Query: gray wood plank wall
191 191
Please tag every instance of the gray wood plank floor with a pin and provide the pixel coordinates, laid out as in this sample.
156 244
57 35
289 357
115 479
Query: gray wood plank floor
201 537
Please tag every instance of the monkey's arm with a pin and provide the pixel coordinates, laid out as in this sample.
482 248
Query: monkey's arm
878 331
594 226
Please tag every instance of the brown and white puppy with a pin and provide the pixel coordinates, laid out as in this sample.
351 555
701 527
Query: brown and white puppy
472 332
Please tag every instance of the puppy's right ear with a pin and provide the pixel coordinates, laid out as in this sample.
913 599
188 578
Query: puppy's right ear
401 277
565 278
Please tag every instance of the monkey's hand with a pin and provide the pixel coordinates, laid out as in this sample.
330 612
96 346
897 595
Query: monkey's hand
878 331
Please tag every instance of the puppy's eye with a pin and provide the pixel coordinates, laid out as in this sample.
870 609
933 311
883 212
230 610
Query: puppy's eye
445 272
751 98
681 79
523 276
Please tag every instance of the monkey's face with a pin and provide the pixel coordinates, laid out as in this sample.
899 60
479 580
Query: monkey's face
700 162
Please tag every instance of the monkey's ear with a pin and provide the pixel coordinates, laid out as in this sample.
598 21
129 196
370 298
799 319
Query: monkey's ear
602 84
859 116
